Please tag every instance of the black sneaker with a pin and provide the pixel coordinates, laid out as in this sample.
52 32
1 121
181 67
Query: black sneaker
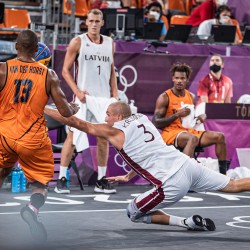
61 187
103 186
196 222
37 229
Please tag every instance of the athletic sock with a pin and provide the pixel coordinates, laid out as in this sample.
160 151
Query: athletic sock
177 221
223 167
63 171
101 171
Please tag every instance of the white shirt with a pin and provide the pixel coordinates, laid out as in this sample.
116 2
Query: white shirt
205 27
94 66
145 151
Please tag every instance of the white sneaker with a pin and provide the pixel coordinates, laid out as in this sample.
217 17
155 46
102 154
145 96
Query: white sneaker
61 187
196 222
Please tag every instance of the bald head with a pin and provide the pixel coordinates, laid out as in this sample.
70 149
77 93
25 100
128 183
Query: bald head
121 108
27 42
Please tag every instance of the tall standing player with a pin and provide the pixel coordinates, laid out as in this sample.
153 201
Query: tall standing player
92 55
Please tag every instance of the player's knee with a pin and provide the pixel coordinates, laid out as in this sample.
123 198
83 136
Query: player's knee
130 210
232 187
136 216
235 187
221 137
194 140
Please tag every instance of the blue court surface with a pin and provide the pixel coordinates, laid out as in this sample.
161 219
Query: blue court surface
86 220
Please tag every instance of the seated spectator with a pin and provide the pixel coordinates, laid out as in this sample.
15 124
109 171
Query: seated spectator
168 114
215 87
223 16
153 14
204 11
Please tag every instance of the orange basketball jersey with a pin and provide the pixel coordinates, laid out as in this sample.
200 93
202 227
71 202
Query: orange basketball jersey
22 102
175 104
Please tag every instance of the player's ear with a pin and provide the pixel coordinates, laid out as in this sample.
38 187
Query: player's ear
120 117
102 22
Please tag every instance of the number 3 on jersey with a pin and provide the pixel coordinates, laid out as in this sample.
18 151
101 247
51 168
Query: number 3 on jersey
23 88
146 132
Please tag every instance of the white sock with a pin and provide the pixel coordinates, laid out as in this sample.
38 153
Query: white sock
62 172
176 221
101 171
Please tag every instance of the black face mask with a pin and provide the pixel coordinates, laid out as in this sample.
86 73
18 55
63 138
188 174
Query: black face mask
215 68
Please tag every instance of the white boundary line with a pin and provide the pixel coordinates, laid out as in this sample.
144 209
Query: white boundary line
122 210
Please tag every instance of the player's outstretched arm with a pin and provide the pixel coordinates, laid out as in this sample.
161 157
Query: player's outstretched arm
113 135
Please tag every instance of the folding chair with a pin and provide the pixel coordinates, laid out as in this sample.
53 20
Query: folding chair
179 19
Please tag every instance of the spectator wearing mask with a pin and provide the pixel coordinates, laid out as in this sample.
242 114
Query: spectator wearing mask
204 12
153 14
223 16
215 87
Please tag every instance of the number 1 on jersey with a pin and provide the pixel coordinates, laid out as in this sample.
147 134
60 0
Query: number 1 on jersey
99 69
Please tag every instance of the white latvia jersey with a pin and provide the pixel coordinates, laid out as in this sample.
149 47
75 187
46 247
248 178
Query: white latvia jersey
145 151
94 66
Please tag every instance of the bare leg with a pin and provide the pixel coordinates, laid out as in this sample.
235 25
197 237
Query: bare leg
188 142
102 185
195 222
66 156
159 217
30 212
102 151
210 138
236 186
217 138
67 150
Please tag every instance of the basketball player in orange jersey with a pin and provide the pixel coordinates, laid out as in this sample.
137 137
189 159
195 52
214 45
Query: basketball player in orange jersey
25 87
168 114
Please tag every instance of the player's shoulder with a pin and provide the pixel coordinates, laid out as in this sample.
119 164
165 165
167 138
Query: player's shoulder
107 38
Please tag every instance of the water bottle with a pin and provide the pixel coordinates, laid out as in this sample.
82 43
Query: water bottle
132 37
133 107
15 187
68 178
23 181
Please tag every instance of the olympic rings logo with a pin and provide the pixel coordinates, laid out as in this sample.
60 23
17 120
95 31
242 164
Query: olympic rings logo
123 79
121 163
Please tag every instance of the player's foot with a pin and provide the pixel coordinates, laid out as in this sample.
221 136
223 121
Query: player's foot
61 187
37 229
196 222
103 186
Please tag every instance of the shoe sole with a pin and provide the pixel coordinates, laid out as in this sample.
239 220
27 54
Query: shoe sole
204 223
37 229
104 191
59 191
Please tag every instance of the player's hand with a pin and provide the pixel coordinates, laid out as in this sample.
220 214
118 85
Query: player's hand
183 112
116 179
201 118
75 107
82 95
